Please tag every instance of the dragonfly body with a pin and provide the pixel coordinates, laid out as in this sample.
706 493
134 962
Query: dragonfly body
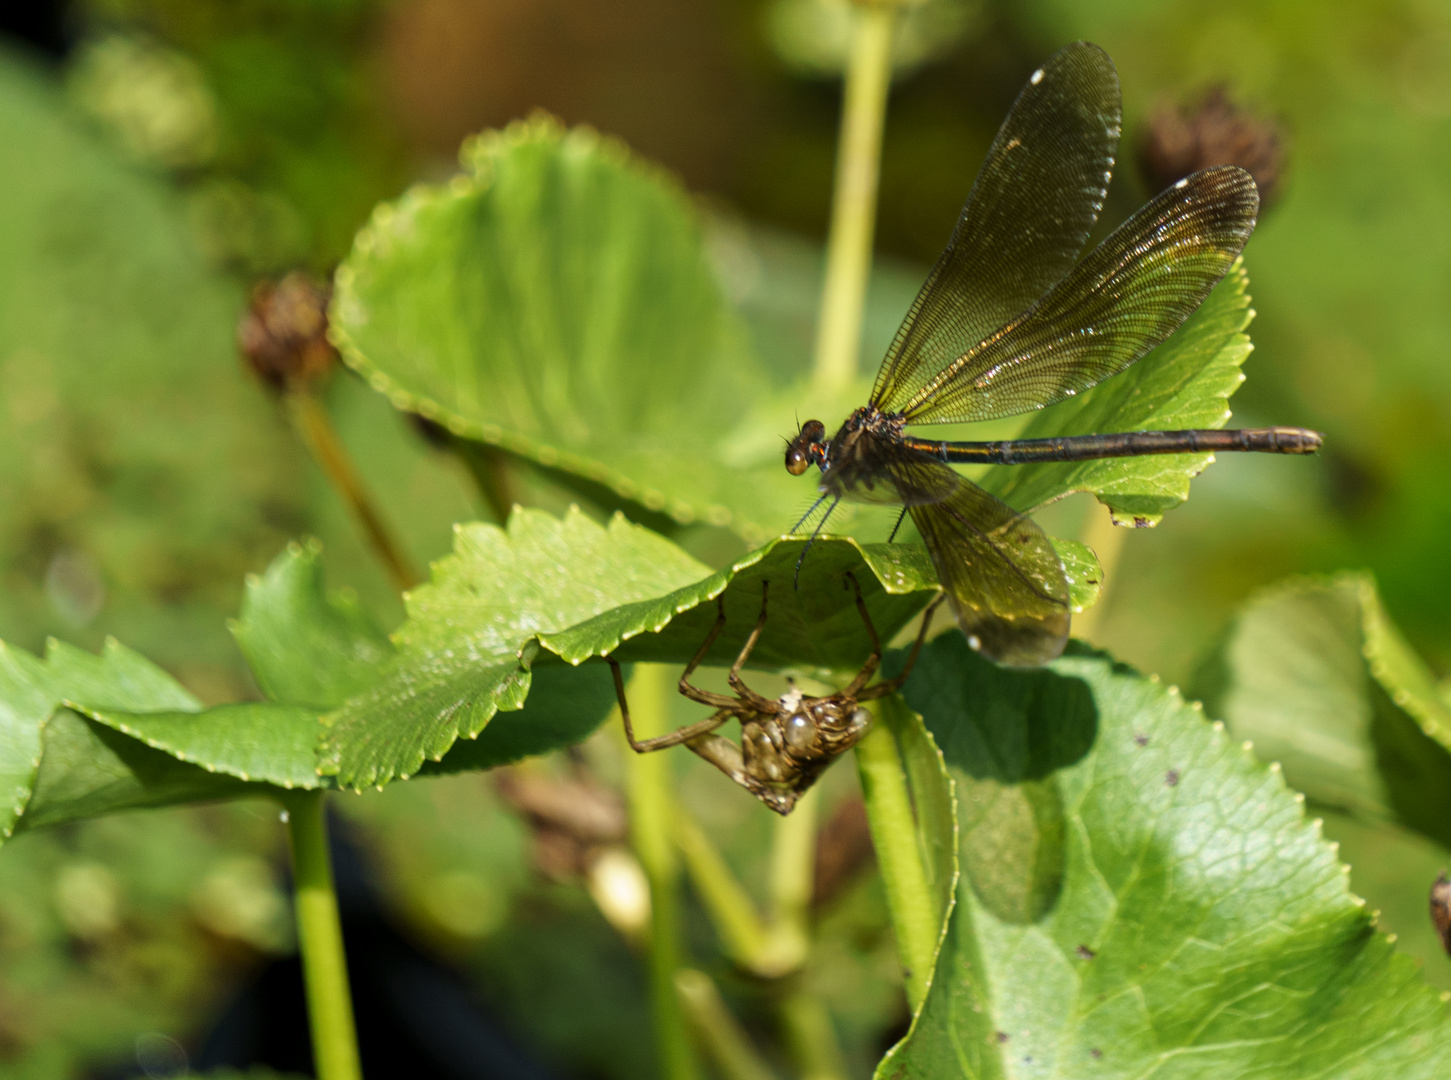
1009 321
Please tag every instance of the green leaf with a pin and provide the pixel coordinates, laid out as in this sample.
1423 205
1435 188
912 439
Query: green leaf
1139 897
260 741
556 301
304 645
548 590
1318 677
466 649
56 766
1185 383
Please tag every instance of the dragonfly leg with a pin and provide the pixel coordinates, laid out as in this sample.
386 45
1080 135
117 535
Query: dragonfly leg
694 693
660 742
762 703
887 686
897 526
870 667
814 534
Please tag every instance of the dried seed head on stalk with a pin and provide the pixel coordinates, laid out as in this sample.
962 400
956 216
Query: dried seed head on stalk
1177 142
283 332
1441 909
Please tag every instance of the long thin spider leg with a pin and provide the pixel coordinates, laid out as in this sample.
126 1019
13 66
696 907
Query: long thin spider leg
738 684
870 667
660 742
705 697
796 581
887 686
897 526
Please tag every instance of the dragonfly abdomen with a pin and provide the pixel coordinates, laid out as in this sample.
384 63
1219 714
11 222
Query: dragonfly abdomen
1272 440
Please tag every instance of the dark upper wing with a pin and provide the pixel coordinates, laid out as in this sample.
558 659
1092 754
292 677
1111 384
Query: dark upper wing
999 570
1031 209
1129 294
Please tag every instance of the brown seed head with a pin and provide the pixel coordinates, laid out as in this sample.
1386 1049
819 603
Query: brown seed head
283 333
1441 910
1216 132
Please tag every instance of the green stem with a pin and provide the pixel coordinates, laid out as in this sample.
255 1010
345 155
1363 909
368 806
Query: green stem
492 473
793 874
894 835
651 818
810 1036
744 936
320 940
315 427
854 199
721 1034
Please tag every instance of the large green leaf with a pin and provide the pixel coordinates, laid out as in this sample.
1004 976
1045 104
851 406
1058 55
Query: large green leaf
1314 672
1185 383
556 300
1140 897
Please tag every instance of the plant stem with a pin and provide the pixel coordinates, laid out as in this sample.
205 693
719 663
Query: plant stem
793 871
728 1045
744 936
810 1036
320 940
894 835
854 200
316 429
1107 541
651 817
489 466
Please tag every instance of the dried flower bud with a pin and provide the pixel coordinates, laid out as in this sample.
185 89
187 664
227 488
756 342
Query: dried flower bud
571 819
1441 909
1217 132
283 334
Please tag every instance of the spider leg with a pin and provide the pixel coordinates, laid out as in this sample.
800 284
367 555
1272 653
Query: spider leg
887 686
660 742
764 704
706 697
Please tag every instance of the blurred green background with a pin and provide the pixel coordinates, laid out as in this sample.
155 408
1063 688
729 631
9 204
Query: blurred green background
163 154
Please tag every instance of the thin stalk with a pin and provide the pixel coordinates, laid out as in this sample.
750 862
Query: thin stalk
1107 541
894 835
651 817
720 1033
315 427
810 1036
854 199
320 940
493 476
793 870
744 935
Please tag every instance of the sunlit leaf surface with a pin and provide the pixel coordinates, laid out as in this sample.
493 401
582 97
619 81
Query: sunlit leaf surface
1141 897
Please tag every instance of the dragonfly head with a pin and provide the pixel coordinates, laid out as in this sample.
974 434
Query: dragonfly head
807 449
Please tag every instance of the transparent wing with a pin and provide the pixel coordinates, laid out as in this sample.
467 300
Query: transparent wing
1031 209
1001 574
1128 295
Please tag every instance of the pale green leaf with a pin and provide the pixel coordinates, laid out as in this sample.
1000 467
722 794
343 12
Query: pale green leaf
1316 675
1140 897
556 301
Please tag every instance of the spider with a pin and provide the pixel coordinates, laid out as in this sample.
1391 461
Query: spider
786 742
